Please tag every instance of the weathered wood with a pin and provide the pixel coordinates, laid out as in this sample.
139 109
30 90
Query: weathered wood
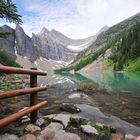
33 72
9 94
14 117
6 69
33 96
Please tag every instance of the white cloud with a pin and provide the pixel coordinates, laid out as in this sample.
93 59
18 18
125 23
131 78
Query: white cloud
76 18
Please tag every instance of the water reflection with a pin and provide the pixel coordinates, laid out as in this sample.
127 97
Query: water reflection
123 98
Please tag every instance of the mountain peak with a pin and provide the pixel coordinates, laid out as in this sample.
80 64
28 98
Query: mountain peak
103 29
44 30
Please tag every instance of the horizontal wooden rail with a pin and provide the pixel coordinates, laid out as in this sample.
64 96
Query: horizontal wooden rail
14 117
6 69
8 94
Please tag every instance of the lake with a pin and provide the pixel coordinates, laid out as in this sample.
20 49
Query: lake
122 98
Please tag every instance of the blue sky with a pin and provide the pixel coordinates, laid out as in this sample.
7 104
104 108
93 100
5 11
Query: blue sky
74 18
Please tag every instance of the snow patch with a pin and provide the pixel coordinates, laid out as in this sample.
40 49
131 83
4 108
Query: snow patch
25 57
78 48
41 59
69 62
15 48
35 62
68 80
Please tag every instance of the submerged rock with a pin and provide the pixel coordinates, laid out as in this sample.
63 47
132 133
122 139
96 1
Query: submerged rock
69 108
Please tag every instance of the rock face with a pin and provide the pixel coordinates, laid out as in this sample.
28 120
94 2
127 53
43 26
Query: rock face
50 47
46 44
24 45
8 44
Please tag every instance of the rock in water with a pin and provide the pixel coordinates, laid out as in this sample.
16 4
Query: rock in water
89 129
70 108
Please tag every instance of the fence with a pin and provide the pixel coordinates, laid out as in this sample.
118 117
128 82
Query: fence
34 106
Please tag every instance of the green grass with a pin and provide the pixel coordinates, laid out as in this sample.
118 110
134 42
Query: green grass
134 65
7 60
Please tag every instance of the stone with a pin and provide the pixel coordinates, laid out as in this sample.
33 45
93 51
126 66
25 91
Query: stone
8 137
40 121
116 136
129 137
54 126
33 129
25 120
100 125
74 95
24 117
69 108
104 137
28 137
89 129
62 135
48 135
64 118
137 138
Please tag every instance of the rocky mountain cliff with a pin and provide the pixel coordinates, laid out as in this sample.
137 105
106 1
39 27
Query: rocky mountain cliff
8 44
47 44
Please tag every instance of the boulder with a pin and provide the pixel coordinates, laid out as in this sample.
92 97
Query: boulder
64 118
8 137
129 137
48 135
62 135
89 129
137 138
54 126
33 129
40 122
69 108
28 137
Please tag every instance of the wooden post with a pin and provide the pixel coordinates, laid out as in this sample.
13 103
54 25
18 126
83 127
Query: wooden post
33 96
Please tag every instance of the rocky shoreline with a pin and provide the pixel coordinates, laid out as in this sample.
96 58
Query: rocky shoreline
68 127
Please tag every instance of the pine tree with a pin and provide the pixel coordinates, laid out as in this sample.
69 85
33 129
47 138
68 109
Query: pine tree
8 11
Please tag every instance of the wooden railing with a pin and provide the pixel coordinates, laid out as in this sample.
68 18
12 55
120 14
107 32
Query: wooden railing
34 106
